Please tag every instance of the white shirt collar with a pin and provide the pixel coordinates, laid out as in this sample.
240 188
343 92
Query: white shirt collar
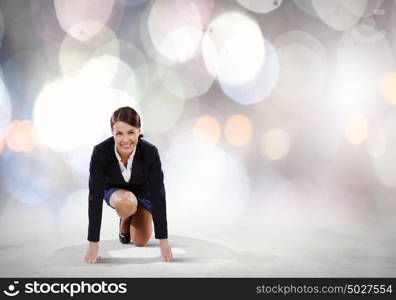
126 171
119 157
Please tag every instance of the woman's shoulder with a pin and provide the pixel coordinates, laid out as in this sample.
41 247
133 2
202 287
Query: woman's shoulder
106 145
147 147
146 144
102 152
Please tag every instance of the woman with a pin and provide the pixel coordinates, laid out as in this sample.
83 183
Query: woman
125 172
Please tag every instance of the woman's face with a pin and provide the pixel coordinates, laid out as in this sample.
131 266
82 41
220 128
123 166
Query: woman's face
126 137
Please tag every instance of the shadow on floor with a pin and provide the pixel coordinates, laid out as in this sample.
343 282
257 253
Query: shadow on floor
194 251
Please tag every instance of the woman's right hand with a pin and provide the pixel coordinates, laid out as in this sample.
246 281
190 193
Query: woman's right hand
92 253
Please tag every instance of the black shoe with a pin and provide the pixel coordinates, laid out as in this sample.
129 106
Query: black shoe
125 238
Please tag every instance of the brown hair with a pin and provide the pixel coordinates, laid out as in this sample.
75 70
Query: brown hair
128 115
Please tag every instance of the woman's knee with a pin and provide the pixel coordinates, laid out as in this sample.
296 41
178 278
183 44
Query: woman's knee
125 203
142 236
141 241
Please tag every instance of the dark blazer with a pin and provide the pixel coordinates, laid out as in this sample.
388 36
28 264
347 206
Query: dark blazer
146 181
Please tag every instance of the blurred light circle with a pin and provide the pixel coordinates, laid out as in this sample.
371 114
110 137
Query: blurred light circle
168 23
237 54
99 71
210 54
96 125
222 192
297 50
340 15
21 136
73 54
175 28
83 19
161 111
5 105
356 129
240 48
126 80
260 6
67 114
189 38
207 130
85 30
238 130
275 144
190 78
104 103
261 86
388 88
54 114
132 75
147 42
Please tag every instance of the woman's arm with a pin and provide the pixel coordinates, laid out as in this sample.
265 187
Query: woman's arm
95 204
158 199
92 253
166 251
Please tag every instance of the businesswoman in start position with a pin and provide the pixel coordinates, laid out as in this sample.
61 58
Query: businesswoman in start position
125 171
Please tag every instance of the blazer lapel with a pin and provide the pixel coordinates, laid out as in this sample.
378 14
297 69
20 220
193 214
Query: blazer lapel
115 167
138 167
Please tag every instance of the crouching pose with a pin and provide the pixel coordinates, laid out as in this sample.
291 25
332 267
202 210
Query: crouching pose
125 171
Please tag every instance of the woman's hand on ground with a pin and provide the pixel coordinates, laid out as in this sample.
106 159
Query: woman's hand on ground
92 253
166 251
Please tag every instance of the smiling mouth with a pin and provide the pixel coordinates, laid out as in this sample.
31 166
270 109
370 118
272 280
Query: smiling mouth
126 146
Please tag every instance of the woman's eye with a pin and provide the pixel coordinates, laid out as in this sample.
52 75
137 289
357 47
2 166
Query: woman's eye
118 134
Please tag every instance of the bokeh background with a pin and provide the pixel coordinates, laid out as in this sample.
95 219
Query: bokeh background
264 112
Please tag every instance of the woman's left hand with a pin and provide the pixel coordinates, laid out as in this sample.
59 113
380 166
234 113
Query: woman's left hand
166 251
